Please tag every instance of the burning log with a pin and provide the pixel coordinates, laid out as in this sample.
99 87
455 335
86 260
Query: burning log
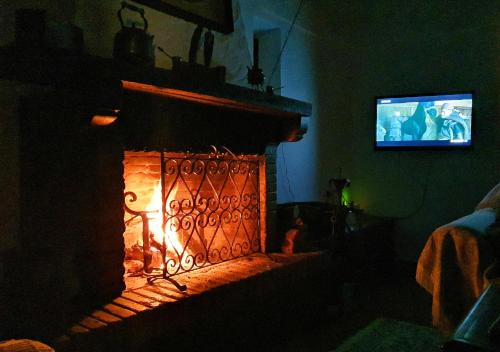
134 253
133 266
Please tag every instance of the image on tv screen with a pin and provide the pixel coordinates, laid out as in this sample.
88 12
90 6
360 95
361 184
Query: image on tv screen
443 120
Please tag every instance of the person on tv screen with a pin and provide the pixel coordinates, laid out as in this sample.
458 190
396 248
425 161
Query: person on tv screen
394 124
420 126
451 125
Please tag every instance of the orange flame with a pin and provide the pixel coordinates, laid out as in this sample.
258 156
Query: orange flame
156 221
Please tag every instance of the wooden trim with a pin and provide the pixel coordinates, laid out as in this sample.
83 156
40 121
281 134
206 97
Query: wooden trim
204 99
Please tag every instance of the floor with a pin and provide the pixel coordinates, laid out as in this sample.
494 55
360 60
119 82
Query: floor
391 292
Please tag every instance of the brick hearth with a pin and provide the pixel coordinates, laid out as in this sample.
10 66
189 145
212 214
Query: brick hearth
252 291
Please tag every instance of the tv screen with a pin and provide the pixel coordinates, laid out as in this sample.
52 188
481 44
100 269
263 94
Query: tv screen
424 121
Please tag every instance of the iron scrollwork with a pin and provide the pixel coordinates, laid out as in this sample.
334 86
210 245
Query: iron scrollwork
210 212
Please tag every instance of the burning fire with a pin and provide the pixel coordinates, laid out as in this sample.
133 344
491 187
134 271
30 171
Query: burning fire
209 212
156 221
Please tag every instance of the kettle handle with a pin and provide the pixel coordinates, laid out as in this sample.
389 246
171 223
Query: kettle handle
125 5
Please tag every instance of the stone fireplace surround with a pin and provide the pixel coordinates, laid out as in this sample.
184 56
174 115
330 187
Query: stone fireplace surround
69 255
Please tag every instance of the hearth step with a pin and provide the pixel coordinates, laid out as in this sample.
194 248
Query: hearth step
254 283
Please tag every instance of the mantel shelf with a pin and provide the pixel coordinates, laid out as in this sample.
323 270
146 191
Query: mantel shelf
65 69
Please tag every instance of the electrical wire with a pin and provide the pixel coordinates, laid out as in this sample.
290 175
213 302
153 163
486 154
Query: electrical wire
285 169
278 59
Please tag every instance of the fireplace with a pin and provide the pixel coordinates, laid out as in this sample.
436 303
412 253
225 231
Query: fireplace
186 211
125 181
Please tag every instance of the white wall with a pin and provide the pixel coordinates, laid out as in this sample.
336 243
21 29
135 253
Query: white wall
296 162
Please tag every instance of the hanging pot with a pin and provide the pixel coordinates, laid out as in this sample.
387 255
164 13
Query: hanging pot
134 45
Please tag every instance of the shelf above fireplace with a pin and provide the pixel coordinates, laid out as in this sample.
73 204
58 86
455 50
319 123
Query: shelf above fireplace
155 104
65 69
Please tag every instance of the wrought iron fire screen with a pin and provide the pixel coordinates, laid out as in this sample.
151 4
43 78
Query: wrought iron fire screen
209 212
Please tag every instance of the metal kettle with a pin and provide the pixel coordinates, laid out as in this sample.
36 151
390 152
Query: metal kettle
134 45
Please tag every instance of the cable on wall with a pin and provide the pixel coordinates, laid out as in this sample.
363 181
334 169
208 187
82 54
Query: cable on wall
285 170
278 59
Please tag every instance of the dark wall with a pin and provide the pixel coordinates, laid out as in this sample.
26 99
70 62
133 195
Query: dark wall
69 250
378 48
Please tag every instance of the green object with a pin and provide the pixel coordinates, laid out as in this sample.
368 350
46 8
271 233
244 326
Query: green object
387 335
346 197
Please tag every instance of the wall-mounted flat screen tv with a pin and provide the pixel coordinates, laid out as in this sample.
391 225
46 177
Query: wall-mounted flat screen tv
424 121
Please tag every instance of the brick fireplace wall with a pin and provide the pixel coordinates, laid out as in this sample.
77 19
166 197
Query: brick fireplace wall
141 174
67 248
9 163
9 179
273 241
64 224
